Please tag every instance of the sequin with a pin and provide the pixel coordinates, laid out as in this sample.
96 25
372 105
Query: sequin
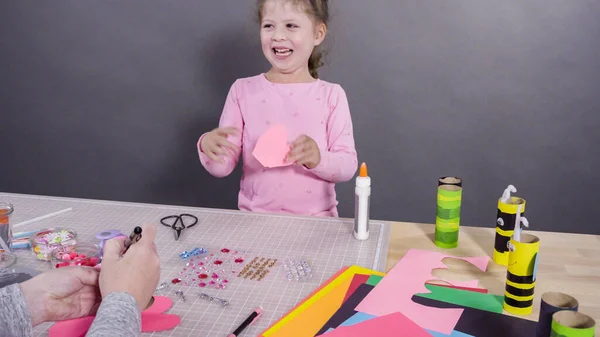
175 280
225 281
225 250
215 276
211 282
202 276
239 260
202 284
218 262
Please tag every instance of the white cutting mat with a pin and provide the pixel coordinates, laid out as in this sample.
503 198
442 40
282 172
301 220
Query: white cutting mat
326 243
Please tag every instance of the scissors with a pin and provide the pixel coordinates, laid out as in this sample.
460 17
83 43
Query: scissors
179 224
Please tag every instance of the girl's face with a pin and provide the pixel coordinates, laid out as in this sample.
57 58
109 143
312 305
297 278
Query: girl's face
288 36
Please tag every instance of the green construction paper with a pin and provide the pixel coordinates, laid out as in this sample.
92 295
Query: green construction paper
471 299
374 279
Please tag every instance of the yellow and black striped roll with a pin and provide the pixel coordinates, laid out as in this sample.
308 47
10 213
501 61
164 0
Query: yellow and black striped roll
505 226
521 274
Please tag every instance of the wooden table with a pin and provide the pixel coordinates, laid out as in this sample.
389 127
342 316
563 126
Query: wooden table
568 263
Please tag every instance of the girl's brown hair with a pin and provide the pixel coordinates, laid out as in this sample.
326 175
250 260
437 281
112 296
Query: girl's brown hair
319 11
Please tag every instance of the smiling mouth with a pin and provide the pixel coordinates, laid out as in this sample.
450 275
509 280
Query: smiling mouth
283 51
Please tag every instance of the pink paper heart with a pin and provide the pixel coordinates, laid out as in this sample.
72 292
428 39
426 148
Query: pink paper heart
272 147
153 319
159 322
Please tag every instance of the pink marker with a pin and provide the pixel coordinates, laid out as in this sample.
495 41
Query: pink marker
249 321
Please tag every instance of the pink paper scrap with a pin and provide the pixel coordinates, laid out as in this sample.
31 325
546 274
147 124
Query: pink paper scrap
272 147
407 278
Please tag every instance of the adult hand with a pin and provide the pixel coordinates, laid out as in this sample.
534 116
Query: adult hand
61 294
215 144
137 272
304 151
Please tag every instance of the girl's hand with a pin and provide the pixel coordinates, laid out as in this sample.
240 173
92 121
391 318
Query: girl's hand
304 151
213 144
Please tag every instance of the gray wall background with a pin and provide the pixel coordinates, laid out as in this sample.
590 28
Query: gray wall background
106 99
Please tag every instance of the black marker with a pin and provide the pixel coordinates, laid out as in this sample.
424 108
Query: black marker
134 237
249 321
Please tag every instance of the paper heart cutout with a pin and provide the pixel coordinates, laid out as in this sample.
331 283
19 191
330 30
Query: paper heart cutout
153 319
272 147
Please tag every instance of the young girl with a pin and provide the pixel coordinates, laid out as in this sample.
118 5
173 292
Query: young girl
315 113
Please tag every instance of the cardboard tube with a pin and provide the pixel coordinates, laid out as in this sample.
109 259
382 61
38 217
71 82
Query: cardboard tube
520 277
506 218
568 323
450 181
553 302
447 218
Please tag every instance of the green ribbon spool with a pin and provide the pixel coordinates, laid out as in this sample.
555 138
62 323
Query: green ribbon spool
447 218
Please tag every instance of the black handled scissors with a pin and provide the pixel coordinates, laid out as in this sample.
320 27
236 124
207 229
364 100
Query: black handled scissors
179 224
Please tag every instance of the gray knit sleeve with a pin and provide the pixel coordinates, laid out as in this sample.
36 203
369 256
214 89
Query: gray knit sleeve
118 316
14 315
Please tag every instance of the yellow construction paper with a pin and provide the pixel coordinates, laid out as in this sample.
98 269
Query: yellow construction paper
308 318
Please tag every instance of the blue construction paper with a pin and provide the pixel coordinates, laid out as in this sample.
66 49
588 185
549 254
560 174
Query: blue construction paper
453 334
357 318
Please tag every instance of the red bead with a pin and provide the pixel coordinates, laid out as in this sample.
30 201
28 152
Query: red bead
202 276
218 262
225 250
175 280
239 260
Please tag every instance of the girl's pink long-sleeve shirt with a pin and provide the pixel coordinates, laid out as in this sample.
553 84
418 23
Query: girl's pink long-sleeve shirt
319 110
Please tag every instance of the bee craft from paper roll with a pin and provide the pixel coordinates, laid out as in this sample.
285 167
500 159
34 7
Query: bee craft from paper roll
447 218
510 209
521 274
572 324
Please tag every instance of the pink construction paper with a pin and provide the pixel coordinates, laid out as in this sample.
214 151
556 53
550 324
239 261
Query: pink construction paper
395 324
408 277
272 147
153 319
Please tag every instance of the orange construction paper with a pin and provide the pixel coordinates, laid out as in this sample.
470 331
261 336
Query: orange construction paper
309 316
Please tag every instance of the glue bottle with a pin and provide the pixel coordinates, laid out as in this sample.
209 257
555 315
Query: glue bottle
362 204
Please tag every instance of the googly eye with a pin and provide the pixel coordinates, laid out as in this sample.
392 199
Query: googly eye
500 222
510 246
